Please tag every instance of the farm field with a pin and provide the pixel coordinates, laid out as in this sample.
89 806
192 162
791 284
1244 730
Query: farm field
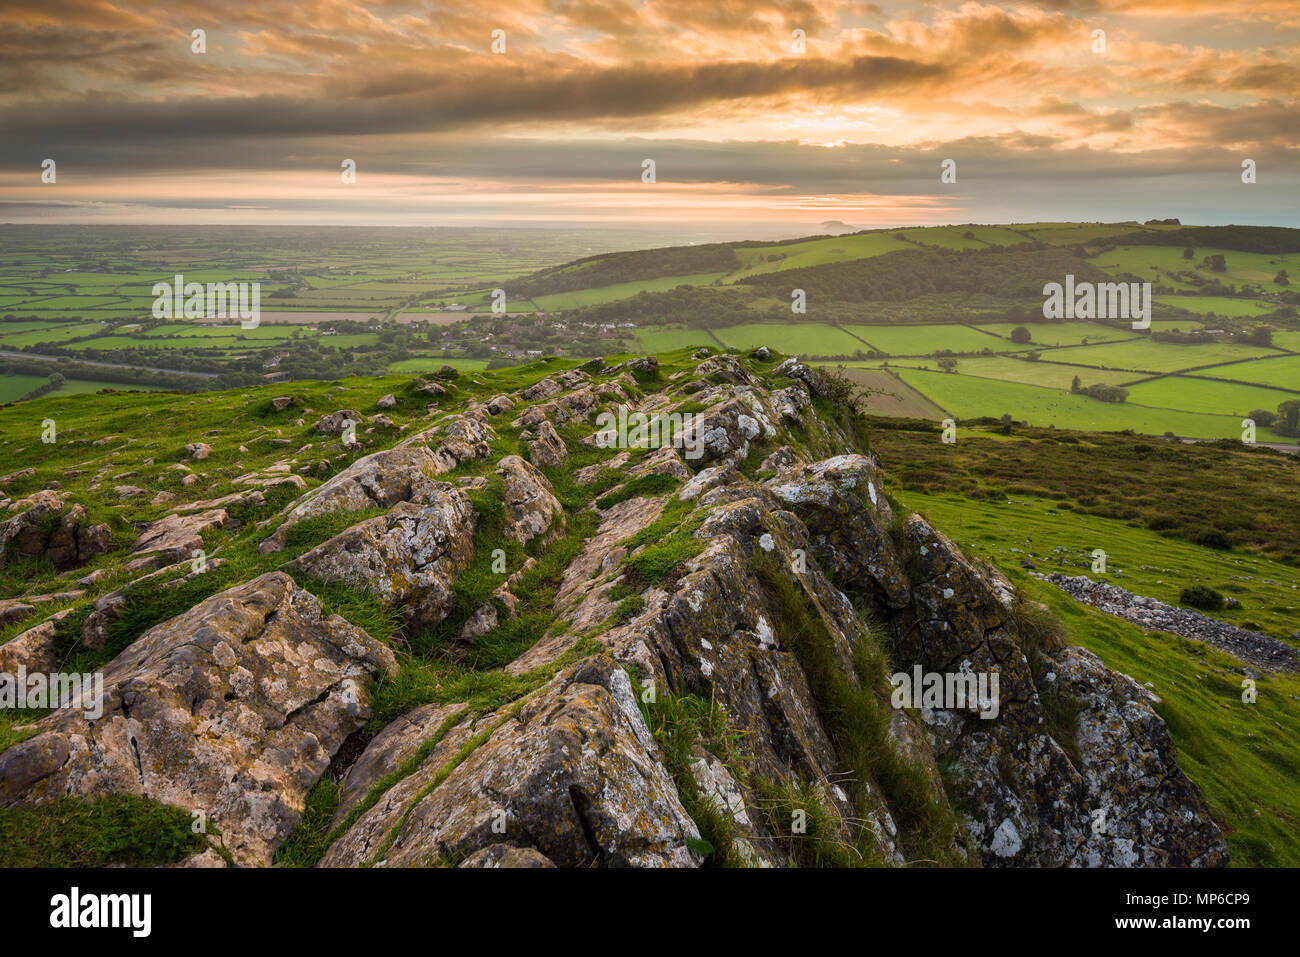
925 340
1282 371
1060 333
1206 395
894 397
666 339
1158 263
814 252
623 290
964 396
796 338
1009 369
1144 355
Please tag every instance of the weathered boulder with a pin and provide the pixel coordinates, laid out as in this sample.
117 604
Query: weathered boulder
531 506
402 474
727 369
386 401
843 505
233 708
725 430
498 404
12 611
547 449
177 537
410 556
572 773
198 450
336 423
46 527
459 438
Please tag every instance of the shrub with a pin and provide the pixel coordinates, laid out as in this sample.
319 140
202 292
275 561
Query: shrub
1202 597
1212 538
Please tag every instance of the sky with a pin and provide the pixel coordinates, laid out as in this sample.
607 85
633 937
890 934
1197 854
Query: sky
761 118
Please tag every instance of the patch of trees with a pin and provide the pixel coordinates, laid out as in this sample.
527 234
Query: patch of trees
1246 239
1100 391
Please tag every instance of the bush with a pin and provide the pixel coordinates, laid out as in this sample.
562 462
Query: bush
1212 538
1202 597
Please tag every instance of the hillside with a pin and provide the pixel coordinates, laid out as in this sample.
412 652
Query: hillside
952 315
440 621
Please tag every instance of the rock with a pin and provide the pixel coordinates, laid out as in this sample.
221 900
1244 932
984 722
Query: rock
542 389
547 450
163 498
531 505
647 366
127 491
33 651
575 775
386 401
503 855
381 479
728 369
782 458
499 403
662 461
725 429
337 423
198 450
480 623
177 537
12 477
410 556
281 402
379 421
459 439
49 529
762 353
12 611
234 708
843 505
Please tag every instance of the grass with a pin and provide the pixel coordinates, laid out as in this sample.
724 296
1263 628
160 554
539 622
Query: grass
118 830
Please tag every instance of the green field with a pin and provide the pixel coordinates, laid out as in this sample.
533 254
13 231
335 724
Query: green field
1203 395
813 252
964 396
622 290
927 339
1283 371
1048 334
1144 355
1159 263
666 340
795 338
